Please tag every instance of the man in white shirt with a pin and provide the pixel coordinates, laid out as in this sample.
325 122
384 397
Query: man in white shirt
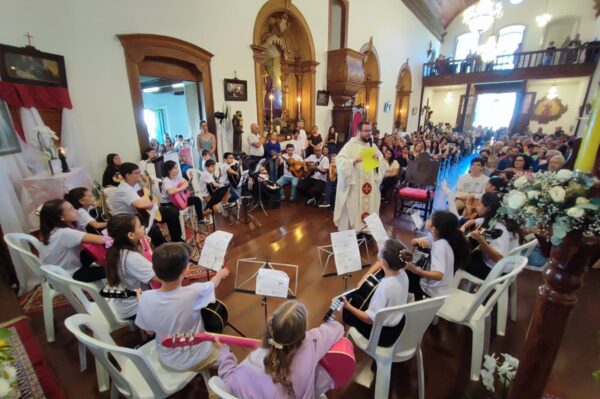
256 148
471 185
302 137
127 200
297 143
312 187
288 177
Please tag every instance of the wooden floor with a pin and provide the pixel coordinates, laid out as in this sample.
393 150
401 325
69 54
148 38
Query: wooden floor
290 235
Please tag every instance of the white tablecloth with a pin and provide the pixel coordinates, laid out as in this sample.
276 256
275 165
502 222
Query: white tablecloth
42 187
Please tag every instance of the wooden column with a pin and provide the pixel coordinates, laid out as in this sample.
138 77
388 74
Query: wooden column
465 106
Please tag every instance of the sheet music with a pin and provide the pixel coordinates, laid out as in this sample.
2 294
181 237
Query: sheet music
345 251
243 178
416 218
375 225
153 213
213 253
271 282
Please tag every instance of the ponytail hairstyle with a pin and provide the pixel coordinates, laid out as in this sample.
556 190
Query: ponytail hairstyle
75 195
285 333
51 218
446 224
390 252
492 201
119 227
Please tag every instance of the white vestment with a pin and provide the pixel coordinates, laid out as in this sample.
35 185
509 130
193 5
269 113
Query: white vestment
357 192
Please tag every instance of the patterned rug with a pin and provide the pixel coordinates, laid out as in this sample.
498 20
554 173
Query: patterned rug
32 301
34 377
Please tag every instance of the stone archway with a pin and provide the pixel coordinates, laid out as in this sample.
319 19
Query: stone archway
368 95
164 56
284 65
403 91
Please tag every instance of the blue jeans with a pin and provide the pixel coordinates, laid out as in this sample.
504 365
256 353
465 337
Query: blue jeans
272 167
330 192
293 180
233 194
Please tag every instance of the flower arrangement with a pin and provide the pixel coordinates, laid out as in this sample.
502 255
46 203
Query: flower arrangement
8 374
553 201
495 371
46 140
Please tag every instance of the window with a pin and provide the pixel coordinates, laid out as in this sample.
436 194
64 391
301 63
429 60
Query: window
509 39
465 43
155 123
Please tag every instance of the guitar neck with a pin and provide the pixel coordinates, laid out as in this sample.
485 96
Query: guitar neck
195 339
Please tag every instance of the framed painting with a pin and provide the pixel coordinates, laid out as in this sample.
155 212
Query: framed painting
323 97
235 90
9 143
548 109
30 66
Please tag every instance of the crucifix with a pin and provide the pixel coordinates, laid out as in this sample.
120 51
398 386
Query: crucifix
29 36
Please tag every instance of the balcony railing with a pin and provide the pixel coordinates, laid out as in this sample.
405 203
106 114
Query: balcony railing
587 54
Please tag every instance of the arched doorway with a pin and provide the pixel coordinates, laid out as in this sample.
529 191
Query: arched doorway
284 66
164 57
403 90
368 95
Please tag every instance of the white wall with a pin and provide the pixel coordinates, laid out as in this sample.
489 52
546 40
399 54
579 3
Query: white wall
85 33
524 14
443 111
175 109
571 92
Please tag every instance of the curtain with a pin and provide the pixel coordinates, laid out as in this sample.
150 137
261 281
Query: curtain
70 138
193 113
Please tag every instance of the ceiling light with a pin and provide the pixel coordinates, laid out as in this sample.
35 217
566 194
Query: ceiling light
479 17
449 97
177 85
542 20
151 90
553 92
488 50
515 2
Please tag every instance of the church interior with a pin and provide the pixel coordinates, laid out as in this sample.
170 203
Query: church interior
300 199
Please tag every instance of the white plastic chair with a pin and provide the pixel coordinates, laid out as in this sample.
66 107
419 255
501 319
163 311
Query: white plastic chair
218 386
418 317
138 373
75 291
21 243
108 194
474 309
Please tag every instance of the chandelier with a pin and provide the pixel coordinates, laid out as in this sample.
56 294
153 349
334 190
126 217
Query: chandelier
488 51
479 17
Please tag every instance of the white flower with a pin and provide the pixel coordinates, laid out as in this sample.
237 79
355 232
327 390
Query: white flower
557 194
564 175
521 182
5 388
533 194
516 199
507 373
575 212
511 360
489 362
582 201
487 379
11 373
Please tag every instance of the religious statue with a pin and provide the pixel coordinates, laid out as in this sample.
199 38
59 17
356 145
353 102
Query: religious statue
238 129
46 141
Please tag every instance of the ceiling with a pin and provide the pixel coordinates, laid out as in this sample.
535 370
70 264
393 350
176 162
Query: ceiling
436 15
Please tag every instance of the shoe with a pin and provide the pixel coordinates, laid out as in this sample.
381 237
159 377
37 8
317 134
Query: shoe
311 201
229 205
325 205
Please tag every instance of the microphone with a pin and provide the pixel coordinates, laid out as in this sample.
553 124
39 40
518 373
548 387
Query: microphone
371 145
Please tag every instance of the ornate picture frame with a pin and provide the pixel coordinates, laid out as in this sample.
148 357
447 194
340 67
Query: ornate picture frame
547 110
30 66
9 143
323 98
235 89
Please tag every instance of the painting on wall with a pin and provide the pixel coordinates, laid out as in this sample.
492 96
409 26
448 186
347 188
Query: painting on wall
9 144
30 66
323 97
547 110
236 90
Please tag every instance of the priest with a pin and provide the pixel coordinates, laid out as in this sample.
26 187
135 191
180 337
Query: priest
358 192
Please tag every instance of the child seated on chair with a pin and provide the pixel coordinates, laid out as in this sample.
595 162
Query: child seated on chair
126 266
270 192
172 184
81 198
174 309
391 291
210 189
287 365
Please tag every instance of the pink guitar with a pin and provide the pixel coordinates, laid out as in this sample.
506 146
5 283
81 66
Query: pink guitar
339 362
98 251
180 199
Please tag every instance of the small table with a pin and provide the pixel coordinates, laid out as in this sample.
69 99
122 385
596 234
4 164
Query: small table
43 186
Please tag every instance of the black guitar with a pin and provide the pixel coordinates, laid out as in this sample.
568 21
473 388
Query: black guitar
487 234
233 179
214 316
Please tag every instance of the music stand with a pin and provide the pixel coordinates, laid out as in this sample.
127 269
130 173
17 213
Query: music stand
248 218
215 198
257 183
327 250
248 286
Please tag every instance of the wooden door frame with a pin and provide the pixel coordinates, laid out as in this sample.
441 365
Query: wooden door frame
179 59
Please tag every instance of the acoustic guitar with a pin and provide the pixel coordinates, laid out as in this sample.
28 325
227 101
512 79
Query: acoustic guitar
295 167
179 199
146 193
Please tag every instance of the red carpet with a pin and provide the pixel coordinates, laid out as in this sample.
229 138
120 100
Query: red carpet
34 377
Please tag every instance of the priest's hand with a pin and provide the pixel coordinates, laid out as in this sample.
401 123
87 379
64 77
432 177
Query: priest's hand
358 159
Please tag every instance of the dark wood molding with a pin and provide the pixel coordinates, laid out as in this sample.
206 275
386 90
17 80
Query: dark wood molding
424 14
168 57
542 72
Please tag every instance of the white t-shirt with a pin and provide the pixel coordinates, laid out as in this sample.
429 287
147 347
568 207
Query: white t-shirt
167 184
323 164
303 139
224 178
391 291
252 150
83 219
175 312
503 244
123 198
298 146
205 179
134 269
472 185
286 171
442 260
63 249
